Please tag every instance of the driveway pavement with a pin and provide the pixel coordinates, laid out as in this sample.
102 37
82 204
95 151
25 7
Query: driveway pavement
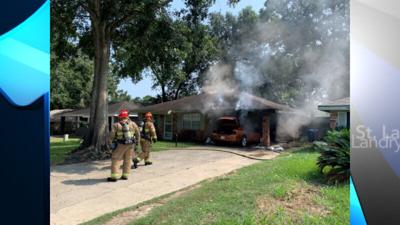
79 192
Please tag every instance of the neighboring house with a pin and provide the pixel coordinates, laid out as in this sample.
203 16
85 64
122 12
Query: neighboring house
339 111
81 117
55 120
194 117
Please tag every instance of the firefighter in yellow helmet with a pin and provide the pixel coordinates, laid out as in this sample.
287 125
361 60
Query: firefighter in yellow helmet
148 136
124 135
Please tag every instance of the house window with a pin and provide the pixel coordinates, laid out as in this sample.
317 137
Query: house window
342 119
191 121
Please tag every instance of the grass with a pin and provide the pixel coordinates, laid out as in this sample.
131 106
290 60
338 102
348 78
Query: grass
287 190
165 145
60 149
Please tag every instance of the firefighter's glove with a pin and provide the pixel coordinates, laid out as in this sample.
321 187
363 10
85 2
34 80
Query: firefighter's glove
113 145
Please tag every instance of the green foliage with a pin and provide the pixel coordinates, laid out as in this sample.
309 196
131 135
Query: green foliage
119 96
176 47
71 83
334 160
146 100
72 45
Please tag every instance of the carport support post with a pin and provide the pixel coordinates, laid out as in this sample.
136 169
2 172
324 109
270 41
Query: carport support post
207 127
265 129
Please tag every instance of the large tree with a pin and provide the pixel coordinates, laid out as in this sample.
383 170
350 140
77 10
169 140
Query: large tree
177 48
97 25
166 52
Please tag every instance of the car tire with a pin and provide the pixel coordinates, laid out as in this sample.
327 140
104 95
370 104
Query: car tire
243 141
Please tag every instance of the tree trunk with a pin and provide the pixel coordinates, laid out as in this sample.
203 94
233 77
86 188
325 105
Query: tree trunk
178 90
163 94
98 132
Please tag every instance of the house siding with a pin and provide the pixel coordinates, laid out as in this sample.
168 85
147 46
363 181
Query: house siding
180 121
177 127
189 134
265 121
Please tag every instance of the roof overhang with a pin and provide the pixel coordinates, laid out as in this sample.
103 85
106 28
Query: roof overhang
330 108
72 114
130 115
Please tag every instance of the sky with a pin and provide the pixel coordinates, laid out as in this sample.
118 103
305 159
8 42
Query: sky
144 87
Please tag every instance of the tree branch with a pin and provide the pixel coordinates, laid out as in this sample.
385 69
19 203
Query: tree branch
130 14
89 10
123 20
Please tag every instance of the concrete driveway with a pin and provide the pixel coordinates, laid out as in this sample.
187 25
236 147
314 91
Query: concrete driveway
79 192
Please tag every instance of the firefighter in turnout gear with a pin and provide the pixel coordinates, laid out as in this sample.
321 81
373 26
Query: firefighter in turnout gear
148 136
124 135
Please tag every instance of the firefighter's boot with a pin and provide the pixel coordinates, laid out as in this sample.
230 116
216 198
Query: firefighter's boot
112 179
135 162
124 177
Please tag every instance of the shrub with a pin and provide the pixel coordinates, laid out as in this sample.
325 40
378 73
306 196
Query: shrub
334 160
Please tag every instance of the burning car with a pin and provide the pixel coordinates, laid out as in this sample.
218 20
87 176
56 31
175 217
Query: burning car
229 131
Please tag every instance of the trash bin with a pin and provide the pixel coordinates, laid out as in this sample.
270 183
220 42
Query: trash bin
312 135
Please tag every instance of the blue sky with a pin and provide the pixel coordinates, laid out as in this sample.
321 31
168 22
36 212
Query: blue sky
144 87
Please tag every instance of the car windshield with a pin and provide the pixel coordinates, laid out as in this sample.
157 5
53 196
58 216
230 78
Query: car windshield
227 125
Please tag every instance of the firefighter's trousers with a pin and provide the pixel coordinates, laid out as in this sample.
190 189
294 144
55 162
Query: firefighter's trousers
146 146
122 153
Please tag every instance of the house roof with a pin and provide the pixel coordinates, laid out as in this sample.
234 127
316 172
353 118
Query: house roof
342 104
205 102
113 109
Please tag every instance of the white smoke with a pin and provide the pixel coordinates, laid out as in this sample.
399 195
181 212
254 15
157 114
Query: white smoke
322 70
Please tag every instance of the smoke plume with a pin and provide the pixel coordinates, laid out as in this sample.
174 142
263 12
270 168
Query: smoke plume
280 62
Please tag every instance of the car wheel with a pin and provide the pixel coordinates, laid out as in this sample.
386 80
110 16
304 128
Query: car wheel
243 141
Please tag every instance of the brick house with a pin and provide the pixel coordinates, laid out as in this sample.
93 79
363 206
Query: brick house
193 117
339 111
76 121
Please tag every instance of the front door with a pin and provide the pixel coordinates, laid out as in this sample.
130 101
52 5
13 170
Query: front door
168 127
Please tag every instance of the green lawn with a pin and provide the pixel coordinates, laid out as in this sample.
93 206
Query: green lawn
165 145
60 149
286 190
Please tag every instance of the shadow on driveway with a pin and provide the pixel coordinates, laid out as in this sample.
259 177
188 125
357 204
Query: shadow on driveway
81 168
